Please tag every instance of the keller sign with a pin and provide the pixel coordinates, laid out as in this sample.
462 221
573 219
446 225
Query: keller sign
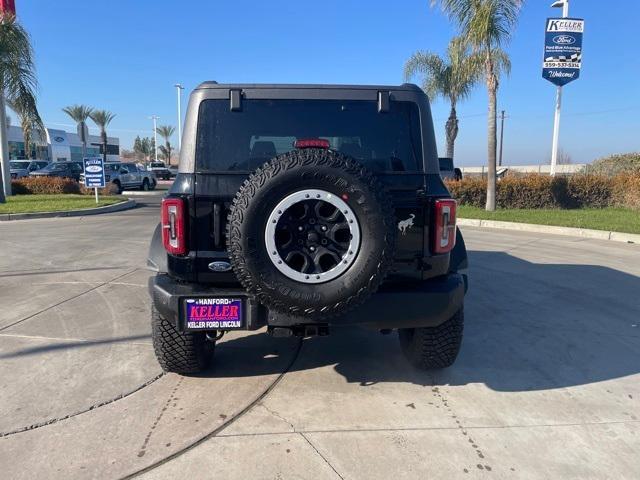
562 50
94 173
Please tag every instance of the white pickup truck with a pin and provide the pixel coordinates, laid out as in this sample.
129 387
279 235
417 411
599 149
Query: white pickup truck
127 176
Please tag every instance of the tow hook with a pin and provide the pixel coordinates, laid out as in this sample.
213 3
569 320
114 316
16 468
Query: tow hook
215 335
312 330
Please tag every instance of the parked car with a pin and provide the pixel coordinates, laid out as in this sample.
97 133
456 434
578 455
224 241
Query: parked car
160 170
60 169
448 171
126 176
291 215
22 168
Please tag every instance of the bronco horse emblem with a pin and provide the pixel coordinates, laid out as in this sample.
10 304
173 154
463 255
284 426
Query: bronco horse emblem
404 225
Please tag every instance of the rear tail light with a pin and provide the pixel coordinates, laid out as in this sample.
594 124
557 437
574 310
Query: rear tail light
311 143
445 231
173 221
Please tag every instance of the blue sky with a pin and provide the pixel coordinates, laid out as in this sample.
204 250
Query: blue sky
125 56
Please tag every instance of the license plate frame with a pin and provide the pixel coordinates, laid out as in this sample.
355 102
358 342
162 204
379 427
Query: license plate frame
209 313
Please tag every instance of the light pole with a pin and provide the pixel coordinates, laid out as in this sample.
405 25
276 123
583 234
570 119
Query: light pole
179 89
564 4
501 137
155 136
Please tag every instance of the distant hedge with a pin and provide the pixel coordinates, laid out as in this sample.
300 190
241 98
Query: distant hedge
617 164
544 191
55 185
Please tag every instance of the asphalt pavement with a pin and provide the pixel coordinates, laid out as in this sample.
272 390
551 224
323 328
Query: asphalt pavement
546 386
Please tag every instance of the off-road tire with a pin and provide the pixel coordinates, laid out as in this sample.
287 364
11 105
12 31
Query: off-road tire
184 353
119 188
300 169
145 185
429 348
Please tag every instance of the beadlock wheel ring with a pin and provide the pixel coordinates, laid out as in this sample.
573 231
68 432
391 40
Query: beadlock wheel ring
312 236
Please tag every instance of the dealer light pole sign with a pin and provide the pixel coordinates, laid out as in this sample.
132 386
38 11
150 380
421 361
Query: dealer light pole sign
94 174
562 61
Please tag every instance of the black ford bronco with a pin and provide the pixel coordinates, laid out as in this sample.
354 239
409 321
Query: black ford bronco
303 207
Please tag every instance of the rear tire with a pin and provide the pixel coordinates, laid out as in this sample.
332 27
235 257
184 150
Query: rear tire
429 348
118 187
145 185
183 353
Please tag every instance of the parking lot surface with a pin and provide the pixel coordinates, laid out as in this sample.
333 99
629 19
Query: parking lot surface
546 386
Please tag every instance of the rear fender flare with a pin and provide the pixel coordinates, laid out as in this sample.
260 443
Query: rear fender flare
458 261
157 258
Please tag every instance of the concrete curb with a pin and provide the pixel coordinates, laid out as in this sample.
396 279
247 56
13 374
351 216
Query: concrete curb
150 193
530 227
118 207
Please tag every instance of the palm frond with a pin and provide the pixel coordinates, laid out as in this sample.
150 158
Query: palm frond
101 118
453 77
18 80
78 113
485 24
165 131
16 57
434 71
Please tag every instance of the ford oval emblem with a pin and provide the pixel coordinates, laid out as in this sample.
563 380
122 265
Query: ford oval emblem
220 266
59 139
564 40
93 168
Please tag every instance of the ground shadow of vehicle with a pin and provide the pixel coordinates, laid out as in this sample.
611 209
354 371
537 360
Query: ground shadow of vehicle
529 326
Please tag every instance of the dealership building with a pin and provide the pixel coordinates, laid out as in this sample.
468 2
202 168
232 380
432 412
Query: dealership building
60 145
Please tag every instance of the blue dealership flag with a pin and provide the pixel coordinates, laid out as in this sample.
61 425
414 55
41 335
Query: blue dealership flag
562 50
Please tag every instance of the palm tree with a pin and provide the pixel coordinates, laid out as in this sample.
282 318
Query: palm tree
25 107
165 131
452 78
102 118
17 81
79 114
487 25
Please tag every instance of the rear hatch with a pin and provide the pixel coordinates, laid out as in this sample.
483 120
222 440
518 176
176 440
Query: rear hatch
231 143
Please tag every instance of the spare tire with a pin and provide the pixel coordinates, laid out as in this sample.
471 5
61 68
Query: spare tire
311 234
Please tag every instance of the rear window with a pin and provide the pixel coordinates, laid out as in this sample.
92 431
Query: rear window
446 164
241 141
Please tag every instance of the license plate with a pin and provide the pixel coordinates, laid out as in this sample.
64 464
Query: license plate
214 314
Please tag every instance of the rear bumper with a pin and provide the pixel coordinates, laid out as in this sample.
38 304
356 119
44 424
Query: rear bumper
426 304
167 295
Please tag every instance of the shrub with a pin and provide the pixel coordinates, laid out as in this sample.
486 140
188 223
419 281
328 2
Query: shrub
19 188
616 164
530 191
469 191
44 185
626 191
543 191
593 191
109 190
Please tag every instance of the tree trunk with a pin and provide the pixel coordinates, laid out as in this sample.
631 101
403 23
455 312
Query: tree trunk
83 139
5 168
492 141
27 143
104 145
451 129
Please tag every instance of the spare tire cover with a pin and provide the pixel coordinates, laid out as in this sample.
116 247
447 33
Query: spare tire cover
311 234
